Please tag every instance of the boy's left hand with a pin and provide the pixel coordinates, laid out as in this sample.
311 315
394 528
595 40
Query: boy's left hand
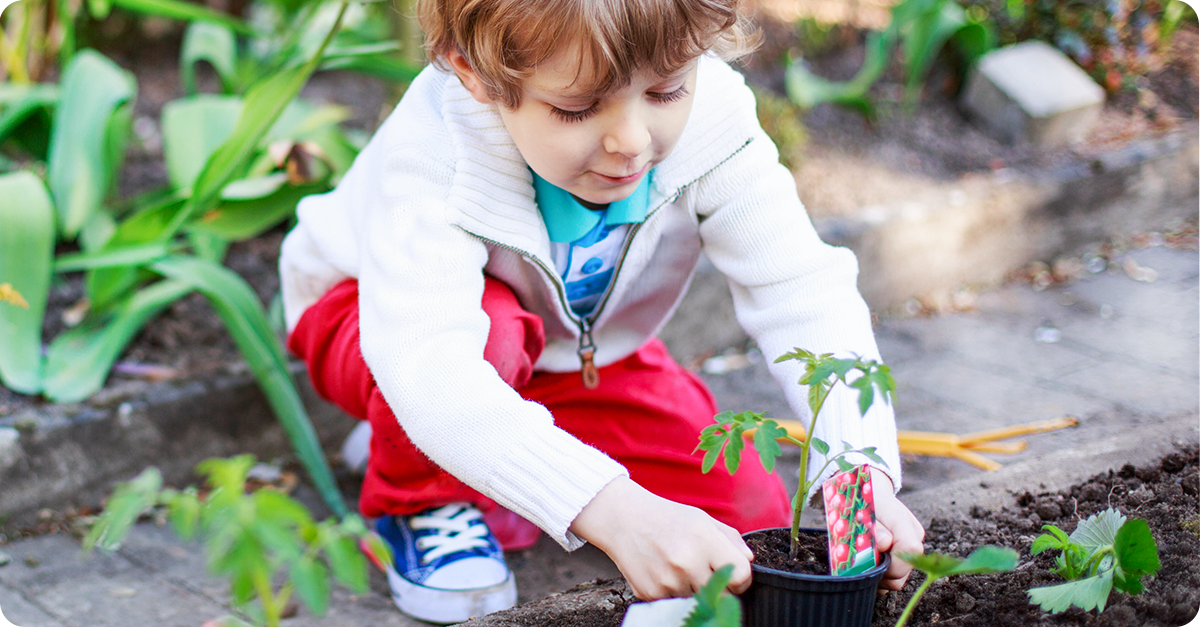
896 530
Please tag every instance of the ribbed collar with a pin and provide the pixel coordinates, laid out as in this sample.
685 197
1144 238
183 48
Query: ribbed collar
567 220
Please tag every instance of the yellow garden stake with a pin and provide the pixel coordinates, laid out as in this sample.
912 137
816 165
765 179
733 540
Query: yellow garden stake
964 447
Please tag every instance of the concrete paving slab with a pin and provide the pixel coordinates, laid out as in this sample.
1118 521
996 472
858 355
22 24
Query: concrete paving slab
17 610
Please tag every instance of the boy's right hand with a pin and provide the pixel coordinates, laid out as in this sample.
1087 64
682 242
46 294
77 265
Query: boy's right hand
663 548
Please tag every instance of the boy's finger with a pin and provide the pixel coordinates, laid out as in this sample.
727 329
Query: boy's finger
737 540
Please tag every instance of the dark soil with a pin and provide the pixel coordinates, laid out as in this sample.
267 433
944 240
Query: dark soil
1164 495
773 549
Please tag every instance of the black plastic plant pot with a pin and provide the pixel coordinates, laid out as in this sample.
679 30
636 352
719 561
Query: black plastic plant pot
780 598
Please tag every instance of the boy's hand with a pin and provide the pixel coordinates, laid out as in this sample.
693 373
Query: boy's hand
896 530
663 548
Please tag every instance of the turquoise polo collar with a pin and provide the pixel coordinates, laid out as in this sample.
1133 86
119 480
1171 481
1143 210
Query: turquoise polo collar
567 219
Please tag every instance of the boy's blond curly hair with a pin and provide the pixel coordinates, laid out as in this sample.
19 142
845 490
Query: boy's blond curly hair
504 40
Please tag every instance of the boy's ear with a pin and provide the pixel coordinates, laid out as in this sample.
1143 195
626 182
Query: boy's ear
467 75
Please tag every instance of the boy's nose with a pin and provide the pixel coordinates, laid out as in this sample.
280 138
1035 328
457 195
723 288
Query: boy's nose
627 137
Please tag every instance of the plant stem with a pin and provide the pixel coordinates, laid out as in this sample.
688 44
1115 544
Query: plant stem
802 494
912 603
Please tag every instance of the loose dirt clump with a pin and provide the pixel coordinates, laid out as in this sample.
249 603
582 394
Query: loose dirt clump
1164 495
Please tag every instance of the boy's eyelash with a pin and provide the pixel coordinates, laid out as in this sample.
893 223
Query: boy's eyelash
669 96
583 114
573 116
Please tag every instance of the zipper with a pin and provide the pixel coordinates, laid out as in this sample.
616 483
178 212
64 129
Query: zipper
587 347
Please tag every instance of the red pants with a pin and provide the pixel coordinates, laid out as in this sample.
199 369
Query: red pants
646 414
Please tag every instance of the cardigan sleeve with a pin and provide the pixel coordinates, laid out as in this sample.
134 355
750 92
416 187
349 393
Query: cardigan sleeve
789 288
423 329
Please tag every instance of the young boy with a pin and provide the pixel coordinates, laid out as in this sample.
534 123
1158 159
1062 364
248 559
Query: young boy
485 285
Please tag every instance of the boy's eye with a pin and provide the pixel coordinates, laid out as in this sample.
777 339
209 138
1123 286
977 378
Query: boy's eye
567 115
665 97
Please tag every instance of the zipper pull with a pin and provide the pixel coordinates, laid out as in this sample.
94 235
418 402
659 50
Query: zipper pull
587 353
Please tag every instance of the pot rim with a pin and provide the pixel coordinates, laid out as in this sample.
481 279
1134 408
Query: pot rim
866 575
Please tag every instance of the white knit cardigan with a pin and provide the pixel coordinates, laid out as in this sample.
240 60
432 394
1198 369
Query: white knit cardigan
441 196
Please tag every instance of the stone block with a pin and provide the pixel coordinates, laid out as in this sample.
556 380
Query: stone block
1032 92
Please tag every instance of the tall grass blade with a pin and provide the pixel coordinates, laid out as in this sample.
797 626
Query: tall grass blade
244 317
26 255
176 9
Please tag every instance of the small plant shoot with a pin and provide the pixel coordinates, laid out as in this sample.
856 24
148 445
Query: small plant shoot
714 605
821 374
1103 552
252 538
986 559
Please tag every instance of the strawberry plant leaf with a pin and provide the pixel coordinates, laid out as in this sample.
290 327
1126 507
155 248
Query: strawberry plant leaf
1136 555
1098 530
1087 594
933 564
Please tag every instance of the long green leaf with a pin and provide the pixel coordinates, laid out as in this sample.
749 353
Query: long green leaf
80 171
135 255
214 43
26 255
21 102
384 66
240 220
79 359
176 9
244 317
264 103
193 128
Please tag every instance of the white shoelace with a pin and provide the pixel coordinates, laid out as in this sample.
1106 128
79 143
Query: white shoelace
458 528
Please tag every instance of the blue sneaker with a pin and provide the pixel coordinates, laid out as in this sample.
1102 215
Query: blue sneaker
448 566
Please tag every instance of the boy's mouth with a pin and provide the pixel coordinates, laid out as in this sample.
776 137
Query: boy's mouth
621 180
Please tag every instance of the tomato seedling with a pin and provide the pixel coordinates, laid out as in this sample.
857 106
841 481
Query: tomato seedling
821 373
1103 552
986 559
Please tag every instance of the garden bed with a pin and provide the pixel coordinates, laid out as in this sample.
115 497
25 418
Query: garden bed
1163 494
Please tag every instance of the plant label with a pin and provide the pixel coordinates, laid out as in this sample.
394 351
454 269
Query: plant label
850 519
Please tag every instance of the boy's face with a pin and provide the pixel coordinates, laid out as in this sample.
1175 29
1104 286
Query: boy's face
596 148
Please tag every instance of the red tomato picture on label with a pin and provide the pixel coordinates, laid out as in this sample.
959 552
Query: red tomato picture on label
850 520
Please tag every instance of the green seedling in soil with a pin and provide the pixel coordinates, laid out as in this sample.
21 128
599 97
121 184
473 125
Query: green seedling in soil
250 537
986 559
821 373
1103 552
714 605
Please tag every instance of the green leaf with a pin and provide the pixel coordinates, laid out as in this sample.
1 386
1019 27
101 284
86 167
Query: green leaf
733 450
869 452
714 605
278 539
348 563
179 10
1136 555
241 220
279 508
1098 530
383 66
80 171
26 104
26 254
1047 542
821 446
193 128
766 445
134 255
128 501
79 359
1087 594
184 513
987 559
311 578
264 103
211 42
243 315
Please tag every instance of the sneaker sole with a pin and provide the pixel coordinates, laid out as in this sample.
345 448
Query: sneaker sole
450 606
